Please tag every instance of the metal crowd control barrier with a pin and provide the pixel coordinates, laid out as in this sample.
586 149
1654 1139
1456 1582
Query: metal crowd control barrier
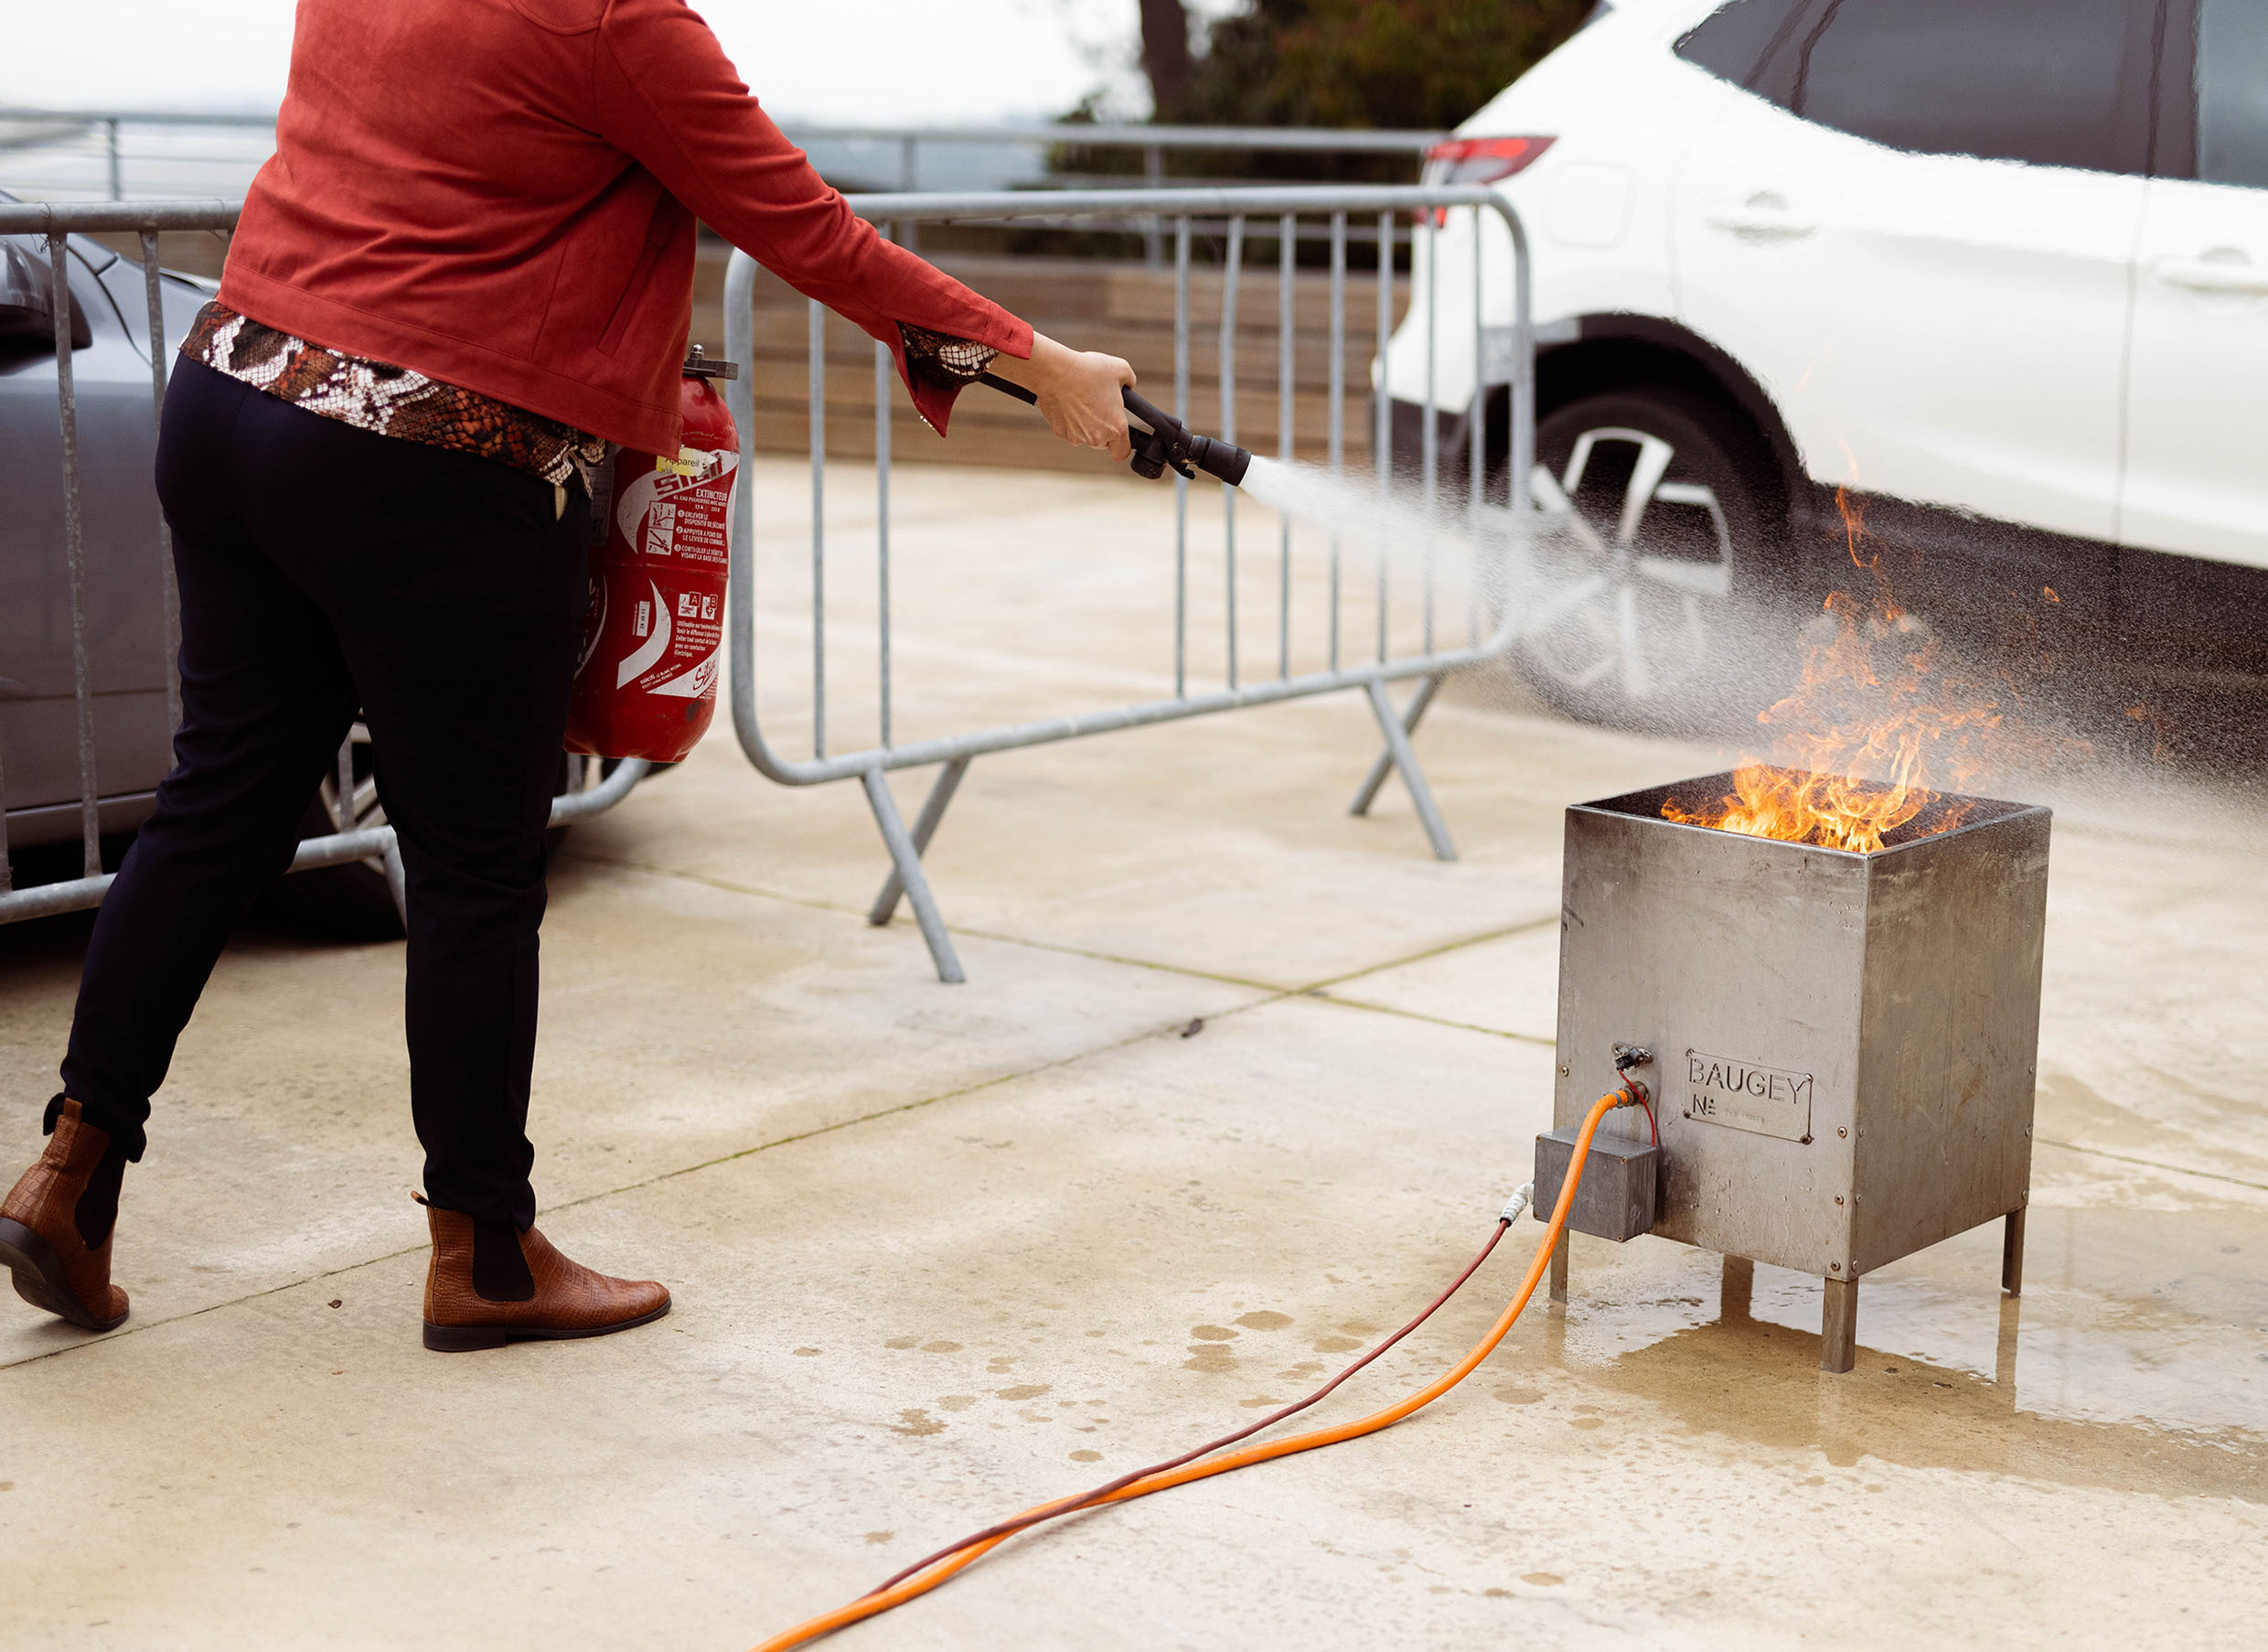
1183 209
373 842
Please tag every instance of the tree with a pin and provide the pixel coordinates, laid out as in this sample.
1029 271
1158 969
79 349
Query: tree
1165 53
1360 63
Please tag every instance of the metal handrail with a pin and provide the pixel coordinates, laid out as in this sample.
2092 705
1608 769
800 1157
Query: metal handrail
57 222
1153 141
1133 135
87 218
870 764
146 117
1121 135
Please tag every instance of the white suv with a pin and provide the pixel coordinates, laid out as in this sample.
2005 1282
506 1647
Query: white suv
1999 266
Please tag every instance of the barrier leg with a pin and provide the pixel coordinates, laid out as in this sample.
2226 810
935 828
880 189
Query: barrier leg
907 860
397 880
1367 793
1400 755
925 827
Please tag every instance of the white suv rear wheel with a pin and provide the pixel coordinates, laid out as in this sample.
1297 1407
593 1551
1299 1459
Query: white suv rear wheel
1647 606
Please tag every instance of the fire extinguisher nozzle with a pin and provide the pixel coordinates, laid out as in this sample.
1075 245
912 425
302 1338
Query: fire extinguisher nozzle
1166 445
1219 458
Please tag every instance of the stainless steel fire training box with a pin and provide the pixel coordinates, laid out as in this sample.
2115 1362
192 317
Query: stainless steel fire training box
1842 1044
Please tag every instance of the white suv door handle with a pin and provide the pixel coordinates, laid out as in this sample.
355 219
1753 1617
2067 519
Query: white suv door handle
2223 270
1762 214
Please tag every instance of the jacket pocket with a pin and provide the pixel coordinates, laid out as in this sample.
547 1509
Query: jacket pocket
633 293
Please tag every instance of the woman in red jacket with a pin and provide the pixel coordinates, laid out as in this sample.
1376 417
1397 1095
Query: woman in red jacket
466 268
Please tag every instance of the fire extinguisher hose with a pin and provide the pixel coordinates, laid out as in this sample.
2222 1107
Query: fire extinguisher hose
928 1574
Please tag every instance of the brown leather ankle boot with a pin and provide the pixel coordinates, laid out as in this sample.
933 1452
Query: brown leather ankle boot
489 1285
56 1226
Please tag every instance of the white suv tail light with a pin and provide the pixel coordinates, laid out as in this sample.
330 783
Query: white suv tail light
1480 161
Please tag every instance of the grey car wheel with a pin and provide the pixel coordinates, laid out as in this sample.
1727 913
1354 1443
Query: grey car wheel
351 902
354 902
1652 601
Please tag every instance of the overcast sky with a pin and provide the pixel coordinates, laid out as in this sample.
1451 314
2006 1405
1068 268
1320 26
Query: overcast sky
848 61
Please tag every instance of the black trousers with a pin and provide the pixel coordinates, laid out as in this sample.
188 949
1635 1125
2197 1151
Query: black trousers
325 569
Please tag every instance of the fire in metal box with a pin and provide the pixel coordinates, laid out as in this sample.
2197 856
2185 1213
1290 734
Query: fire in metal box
1843 1043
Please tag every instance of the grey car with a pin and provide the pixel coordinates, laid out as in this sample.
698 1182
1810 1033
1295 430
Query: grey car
128 647
125 618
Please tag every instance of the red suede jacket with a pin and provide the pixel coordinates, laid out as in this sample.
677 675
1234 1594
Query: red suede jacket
500 194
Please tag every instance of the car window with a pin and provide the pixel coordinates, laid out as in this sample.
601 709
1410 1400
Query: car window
2054 82
2232 92
1734 41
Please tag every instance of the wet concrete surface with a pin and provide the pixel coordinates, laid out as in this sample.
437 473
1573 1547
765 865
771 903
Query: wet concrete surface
941 1252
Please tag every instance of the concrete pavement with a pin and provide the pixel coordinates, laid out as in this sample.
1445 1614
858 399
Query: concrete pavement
939 1253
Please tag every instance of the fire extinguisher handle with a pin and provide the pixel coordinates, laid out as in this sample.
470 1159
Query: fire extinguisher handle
995 382
1134 404
1163 423
1168 443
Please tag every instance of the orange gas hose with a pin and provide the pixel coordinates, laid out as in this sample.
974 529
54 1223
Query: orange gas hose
883 1600
1064 1506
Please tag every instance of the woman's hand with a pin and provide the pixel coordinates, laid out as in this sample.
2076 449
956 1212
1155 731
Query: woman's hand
1078 391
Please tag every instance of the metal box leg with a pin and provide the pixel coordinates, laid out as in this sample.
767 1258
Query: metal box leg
1735 1292
2012 1253
2003 1351
1838 1326
1560 1269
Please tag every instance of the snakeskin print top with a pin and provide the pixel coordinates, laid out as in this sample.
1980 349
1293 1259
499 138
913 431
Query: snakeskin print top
958 360
391 400
395 401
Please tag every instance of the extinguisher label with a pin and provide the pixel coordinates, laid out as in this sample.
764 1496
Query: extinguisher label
678 655
653 632
641 659
684 518
677 519
594 623
693 684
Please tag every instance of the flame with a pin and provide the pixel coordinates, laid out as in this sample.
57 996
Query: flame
1884 716
1805 805
2161 731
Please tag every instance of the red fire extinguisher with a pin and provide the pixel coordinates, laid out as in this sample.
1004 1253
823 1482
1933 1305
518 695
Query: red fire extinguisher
653 638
